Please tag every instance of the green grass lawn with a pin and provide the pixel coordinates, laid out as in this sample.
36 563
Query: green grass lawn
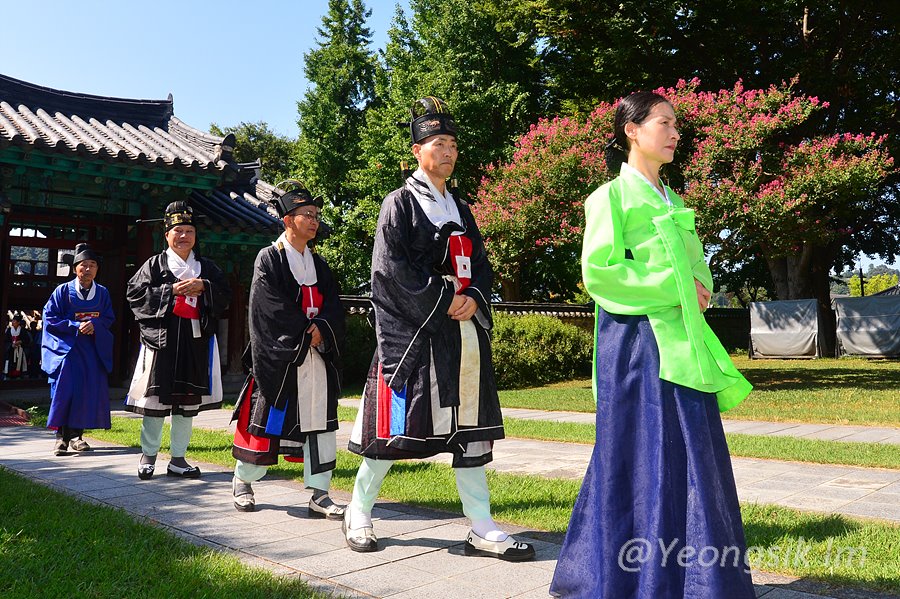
52 545
546 504
829 391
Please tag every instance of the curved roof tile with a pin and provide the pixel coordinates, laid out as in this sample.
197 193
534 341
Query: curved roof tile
119 129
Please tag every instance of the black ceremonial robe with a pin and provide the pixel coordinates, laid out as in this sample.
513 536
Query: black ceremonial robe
176 373
411 404
275 415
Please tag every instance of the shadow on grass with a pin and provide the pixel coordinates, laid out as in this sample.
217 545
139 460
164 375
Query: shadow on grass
787 379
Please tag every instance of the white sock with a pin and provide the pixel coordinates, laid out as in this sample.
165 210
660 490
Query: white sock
358 518
487 529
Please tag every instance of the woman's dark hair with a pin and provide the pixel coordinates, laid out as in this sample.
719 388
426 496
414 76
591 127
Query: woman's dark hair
632 109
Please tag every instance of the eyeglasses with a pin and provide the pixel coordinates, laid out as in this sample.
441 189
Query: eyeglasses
316 216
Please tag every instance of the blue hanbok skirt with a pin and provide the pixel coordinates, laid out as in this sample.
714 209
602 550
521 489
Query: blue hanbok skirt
657 516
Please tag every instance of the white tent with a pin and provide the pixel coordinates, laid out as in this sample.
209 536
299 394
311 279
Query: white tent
868 326
784 329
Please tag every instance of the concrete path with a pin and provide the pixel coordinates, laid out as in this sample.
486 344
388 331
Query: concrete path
421 554
847 490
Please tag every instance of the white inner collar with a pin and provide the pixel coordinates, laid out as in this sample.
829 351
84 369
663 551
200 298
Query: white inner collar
301 264
664 194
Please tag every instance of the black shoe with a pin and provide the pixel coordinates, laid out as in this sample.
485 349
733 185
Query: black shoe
509 550
242 494
145 471
79 445
188 472
324 507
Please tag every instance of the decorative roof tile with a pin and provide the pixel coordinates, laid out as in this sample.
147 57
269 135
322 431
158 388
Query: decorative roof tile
145 132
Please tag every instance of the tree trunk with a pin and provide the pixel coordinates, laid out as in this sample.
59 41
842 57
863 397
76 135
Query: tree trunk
804 275
511 289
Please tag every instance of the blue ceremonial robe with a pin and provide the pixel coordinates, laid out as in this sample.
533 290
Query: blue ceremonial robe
78 365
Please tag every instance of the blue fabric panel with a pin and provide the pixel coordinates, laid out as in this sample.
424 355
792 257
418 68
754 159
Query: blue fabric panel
275 422
398 412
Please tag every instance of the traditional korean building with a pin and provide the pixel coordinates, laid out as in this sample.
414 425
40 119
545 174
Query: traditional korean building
78 167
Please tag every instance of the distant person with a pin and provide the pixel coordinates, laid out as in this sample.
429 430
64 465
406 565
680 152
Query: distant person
177 298
289 404
431 386
77 353
17 341
659 483
34 350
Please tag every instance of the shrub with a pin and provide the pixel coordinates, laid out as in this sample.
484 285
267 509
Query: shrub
359 347
536 350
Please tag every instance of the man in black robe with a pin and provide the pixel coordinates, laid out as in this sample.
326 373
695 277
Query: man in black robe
431 385
289 403
177 298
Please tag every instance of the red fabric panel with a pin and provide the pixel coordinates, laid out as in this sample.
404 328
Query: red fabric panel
383 410
461 247
311 300
242 438
185 310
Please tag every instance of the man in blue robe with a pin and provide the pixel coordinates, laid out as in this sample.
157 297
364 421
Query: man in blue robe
77 353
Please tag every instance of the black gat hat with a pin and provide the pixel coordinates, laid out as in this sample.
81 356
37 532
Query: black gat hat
82 252
430 116
290 195
179 213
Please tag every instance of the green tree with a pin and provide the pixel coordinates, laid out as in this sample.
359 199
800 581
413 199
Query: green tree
257 140
341 72
475 56
847 52
873 283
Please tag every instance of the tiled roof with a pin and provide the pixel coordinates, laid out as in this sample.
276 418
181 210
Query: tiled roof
144 132
895 290
240 206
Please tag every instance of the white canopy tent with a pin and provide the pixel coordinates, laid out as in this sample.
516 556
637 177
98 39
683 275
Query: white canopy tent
784 329
868 326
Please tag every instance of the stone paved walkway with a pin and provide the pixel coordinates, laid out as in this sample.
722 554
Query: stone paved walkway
422 549
847 490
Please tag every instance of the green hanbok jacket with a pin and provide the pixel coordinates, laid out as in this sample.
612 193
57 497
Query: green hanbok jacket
656 279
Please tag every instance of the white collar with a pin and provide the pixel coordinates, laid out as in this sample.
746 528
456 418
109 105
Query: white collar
183 269
664 194
443 208
91 292
301 264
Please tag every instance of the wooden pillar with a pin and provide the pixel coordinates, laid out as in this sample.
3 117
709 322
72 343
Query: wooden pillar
237 324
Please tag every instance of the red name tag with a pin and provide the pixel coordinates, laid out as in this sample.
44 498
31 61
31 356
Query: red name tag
83 316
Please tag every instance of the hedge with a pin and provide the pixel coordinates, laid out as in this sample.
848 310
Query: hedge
528 351
536 350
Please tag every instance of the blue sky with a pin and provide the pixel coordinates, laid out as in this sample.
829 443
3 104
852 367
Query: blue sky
224 61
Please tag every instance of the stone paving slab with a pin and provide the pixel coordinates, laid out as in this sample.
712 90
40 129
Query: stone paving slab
816 487
422 552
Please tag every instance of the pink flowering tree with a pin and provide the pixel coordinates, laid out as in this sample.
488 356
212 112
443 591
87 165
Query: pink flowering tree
766 188
531 209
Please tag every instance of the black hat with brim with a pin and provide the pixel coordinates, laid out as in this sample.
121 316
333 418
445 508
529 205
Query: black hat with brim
82 252
295 197
430 116
179 213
